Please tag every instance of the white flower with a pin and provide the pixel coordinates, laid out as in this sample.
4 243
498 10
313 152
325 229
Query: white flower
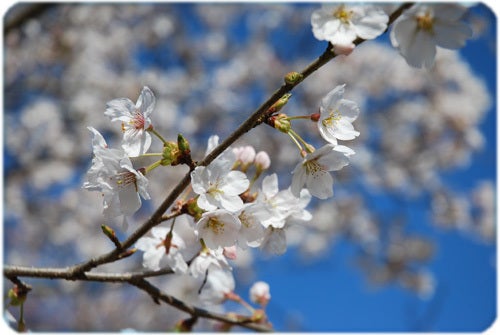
251 231
162 246
313 171
276 206
113 175
219 228
219 283
420 29
135 119
206 260
342 24
259 293
218 186
274 241
336 116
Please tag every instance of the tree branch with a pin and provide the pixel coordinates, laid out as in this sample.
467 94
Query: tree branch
135 279
21 13
157 295
10 271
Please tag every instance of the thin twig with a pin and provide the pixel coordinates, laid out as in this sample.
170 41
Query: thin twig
157 295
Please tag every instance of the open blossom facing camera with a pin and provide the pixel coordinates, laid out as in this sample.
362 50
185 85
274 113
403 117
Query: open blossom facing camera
336 116
218 186
313 171
163 246
135 119
342 24
219 228
422 28
113 175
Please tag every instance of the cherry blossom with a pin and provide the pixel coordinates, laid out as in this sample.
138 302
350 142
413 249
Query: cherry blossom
113 175
218 284
424 27
342 24
313 171
219 228
274 241
208 259
218 186
251 231
276 206
260 293
163 246
336 116
135 119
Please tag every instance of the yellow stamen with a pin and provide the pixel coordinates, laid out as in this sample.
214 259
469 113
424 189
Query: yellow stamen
215 225
334 117
343 15
425 22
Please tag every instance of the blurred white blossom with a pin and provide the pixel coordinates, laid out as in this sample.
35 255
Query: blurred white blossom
421 28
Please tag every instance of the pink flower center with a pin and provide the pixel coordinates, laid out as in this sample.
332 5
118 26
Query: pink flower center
138 121
343 15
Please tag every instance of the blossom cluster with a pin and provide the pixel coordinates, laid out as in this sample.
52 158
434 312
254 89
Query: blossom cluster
225 211
416 33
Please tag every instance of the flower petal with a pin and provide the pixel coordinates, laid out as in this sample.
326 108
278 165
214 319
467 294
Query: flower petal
232 203
332 98
451 35
320 184
333 161
270 185
298 180
146 102
130 201
121 109
235 182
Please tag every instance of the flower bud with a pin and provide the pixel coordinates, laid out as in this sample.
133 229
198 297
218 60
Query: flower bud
245 155
293 77
260 293
17 295
230 252
110 233
262 160
183 145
